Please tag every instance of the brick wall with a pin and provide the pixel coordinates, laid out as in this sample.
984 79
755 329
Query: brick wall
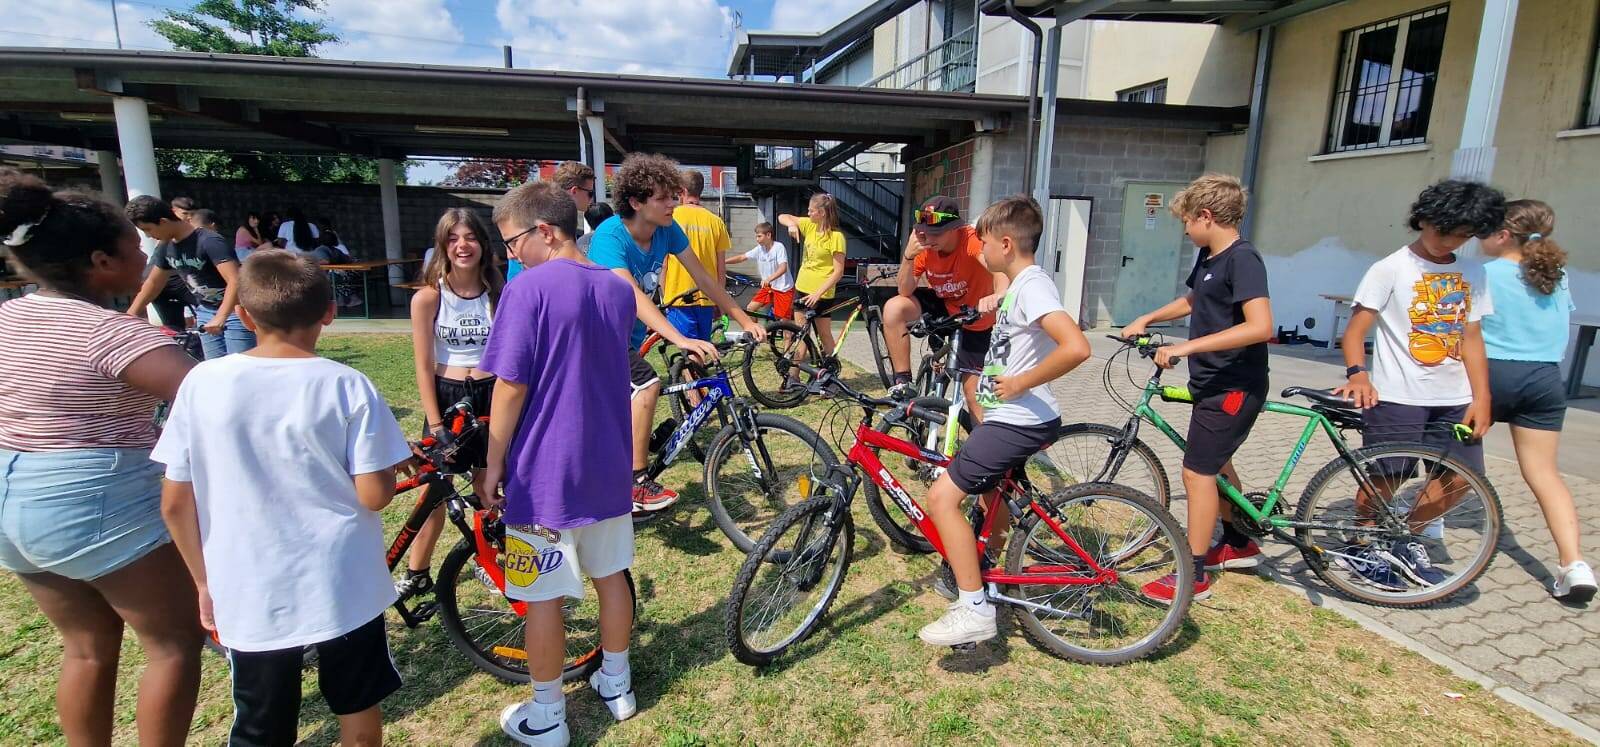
354 209
1096 158
945 172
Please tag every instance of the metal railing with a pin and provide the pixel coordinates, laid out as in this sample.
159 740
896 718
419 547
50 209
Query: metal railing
951 65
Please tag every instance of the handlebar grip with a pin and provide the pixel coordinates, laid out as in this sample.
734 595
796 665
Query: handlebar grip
936 417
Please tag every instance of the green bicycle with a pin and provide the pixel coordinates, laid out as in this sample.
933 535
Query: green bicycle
1396 524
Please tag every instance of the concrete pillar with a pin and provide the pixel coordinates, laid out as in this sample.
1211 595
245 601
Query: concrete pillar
110 177
138 151
980 190
597 155
1475 158
393 248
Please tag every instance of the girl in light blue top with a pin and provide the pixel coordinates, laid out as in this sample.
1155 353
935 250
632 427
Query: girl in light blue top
1526 337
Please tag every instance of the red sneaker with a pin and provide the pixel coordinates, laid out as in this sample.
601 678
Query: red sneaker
1227 557
1163 589
650 497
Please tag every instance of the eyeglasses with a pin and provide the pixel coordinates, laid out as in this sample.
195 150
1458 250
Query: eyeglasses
505 244
931 217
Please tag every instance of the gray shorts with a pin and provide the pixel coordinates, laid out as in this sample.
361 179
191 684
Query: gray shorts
1528 394
994 449
1389 422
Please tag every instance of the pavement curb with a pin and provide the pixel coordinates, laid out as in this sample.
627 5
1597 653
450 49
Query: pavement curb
1533 705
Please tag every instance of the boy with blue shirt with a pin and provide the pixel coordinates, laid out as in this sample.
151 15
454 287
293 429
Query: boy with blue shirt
634 244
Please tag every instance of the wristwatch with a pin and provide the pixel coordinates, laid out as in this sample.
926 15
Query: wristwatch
1353 370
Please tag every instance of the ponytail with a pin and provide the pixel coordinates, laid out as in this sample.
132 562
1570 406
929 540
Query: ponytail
53 235
1543 260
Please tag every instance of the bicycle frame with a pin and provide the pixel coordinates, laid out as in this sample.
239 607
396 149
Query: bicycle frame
717 390
863 456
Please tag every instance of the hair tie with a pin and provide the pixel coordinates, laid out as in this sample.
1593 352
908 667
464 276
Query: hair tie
1535 236
23 232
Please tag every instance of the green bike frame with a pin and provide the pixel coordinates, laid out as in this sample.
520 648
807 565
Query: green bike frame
1262 516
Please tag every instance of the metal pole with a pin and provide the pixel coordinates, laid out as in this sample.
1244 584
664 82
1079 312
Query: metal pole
115 26
1047 123
393 245
1258 110
506 50
1033 90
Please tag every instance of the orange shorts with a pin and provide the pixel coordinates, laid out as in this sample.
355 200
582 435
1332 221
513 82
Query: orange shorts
782 301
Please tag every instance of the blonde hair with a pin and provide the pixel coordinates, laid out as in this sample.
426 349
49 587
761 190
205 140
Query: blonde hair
1543 260
1223 195
1017 216
830 212
439 266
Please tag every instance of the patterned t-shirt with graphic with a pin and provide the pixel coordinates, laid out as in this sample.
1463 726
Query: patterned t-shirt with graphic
1423 309
195 258
1020 343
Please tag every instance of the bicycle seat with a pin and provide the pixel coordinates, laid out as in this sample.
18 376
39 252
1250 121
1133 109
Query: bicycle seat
1323 397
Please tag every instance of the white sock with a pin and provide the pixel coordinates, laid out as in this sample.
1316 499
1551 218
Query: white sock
613 663
977 600
547 692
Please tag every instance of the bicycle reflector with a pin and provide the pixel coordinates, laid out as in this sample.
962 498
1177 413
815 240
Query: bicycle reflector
804 483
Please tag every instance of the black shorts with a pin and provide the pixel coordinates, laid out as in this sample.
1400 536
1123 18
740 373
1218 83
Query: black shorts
477 393
1528 394
640 373
1390 422
974 345
1218 426
994 449
354 671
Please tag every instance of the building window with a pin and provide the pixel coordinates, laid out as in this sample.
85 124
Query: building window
1387 75
1149 93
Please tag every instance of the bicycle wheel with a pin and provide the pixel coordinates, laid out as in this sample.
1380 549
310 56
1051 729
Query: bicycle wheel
480 621
1381 566
750 481
1082 453
1101 623
769 366
916 476
788 580
880 350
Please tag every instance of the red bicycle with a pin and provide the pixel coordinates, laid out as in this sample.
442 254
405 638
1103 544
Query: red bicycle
1071 570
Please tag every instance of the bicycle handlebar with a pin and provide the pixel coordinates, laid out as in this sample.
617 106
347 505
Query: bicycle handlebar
932 325
1145 344
828 379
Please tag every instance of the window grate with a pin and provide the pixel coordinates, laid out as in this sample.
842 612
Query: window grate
1388 72
1149 93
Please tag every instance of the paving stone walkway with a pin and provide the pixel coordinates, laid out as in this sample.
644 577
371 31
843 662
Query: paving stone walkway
1506 628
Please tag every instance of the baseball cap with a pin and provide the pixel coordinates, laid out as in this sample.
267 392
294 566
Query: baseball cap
938 214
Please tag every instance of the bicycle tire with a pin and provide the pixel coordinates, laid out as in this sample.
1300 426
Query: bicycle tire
744 528
893 522
809 517
1096 496
1072 466
880 347
575 666
1366 592
767 365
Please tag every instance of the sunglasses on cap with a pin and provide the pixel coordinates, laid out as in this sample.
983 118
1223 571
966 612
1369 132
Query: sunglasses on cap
931 217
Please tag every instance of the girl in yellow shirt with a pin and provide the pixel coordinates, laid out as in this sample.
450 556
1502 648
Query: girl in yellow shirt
822 265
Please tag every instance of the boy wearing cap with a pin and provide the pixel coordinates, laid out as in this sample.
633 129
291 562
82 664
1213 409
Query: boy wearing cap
948 252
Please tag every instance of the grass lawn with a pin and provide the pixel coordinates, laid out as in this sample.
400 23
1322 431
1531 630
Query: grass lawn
1256 664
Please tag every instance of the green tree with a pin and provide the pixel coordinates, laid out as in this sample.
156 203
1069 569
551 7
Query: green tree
260 27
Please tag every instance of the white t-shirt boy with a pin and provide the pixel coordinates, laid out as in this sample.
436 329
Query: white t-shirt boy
271 445
1018 344
767 261
1423 309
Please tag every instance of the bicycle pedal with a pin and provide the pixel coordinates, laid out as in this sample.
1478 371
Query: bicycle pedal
425 611
965 648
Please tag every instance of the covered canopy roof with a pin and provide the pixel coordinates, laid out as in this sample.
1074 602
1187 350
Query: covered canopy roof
316 106
1169 11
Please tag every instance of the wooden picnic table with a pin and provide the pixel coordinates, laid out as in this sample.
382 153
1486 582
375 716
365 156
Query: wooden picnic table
365 268
1339 303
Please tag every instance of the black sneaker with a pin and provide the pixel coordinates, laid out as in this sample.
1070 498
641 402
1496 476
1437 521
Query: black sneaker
415 583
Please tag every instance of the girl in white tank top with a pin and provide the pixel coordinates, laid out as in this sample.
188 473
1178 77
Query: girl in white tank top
451 317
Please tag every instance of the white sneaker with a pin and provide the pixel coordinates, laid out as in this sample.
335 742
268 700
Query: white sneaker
962 624
616 691
1574 583
541 724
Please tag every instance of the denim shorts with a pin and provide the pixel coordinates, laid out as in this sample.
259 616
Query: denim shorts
80 514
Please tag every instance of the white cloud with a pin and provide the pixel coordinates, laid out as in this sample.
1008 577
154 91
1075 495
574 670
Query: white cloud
648 37
812 15
77 23
397 31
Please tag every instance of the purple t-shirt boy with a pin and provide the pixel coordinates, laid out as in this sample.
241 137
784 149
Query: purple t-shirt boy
563 333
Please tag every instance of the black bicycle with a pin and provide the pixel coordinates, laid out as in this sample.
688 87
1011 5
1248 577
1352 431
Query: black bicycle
770 370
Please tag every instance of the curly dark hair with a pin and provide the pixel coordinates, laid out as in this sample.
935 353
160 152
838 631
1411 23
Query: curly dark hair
640 176
67 228
1457 206
1544 262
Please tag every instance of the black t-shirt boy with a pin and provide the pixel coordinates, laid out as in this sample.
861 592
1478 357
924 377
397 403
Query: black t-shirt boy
1220 285
195 259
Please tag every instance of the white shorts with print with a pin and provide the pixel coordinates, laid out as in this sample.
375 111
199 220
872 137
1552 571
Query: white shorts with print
543 564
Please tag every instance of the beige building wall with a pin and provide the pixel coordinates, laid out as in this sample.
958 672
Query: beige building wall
1203 64
1322 220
